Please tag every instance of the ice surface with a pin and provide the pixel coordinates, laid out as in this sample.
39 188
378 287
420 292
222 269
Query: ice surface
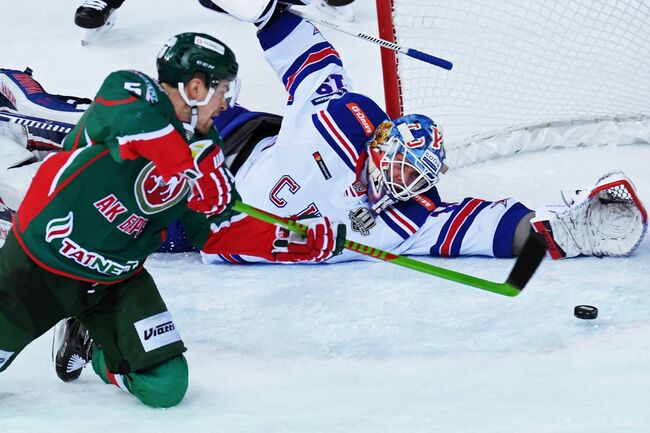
358 347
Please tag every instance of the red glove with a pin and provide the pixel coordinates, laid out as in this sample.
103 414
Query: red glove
210 181
322 241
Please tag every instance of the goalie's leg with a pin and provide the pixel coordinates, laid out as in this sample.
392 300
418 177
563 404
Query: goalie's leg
608 220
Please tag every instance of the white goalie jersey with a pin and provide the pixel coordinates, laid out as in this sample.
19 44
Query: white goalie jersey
313 166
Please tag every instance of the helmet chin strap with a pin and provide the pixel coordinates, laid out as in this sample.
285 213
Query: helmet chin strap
194 104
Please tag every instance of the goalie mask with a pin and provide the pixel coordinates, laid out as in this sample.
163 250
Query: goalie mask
405 158
185 54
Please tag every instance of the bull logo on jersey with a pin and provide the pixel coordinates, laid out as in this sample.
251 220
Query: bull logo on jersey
154 195
362 220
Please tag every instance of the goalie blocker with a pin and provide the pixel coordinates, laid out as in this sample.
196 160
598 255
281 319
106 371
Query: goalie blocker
609 220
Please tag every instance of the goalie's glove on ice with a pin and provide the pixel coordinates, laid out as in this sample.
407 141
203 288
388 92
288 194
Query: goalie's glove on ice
322 241
608 220
211 183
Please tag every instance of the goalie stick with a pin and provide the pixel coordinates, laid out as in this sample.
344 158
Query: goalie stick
525 266
428 58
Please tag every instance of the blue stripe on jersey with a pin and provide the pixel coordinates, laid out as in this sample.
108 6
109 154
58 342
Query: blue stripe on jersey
462 231
332 142
330 59
505 232
239 258
303 57
231 258
454 208
276 31
393 225
340 109
224 259
314 59
416 212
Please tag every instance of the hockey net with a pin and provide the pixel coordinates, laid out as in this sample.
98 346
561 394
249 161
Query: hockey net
527 75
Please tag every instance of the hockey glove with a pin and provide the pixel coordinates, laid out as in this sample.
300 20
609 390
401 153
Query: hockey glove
322 241
210 181
608 220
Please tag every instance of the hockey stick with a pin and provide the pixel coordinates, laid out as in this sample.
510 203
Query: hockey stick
528 261
428 58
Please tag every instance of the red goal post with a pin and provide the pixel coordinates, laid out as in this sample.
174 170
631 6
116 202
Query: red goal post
392 91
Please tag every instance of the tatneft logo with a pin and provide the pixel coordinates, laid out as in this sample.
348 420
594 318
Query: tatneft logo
4 357
157 331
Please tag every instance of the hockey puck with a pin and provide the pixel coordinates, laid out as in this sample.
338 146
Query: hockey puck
585 312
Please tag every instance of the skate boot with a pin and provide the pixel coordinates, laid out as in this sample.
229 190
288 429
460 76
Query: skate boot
71 349
95 17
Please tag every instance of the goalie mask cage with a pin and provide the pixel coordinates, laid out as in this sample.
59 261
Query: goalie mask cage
527 75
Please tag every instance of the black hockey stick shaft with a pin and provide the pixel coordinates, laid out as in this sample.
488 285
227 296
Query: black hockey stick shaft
411 52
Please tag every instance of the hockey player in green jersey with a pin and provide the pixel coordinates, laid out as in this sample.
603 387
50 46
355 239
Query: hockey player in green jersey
94 212
143 155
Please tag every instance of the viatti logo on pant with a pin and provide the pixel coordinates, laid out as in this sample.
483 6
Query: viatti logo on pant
157 331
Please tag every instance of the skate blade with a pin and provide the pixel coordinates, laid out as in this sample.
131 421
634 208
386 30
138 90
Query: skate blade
91 35
57 337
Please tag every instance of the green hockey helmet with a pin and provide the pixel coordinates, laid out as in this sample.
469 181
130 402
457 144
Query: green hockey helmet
187 53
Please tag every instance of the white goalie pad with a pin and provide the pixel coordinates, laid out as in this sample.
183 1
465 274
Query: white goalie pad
12 152
609 220
13 186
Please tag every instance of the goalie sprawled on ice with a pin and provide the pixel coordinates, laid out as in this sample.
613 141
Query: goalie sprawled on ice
336 153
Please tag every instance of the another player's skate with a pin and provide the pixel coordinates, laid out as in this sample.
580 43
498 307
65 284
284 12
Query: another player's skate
95 18
608 220
71 349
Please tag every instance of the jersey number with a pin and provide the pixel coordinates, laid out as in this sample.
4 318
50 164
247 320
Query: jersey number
332 84
133 88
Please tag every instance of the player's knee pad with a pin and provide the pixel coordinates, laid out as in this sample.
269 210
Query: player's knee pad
163 385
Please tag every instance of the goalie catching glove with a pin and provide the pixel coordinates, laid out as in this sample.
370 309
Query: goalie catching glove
211 183
608 220
322 241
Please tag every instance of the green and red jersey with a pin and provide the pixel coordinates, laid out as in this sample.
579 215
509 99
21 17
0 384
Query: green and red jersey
97 210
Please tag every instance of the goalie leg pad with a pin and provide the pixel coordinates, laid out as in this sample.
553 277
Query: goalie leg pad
609 220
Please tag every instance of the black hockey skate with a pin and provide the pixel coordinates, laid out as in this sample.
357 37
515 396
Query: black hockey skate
71 349
95 17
